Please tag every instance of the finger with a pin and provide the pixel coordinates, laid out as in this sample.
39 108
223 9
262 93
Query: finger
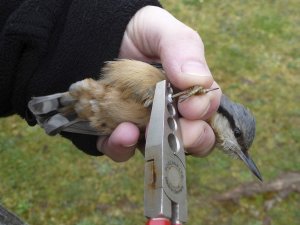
183 59
198 137
120 145
154 34
201 107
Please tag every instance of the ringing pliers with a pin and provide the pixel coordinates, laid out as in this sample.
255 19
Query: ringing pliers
165 197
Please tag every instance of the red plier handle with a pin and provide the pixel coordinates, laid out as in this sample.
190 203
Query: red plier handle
160 221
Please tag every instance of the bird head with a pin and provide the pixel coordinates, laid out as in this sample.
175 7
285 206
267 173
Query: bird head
234 126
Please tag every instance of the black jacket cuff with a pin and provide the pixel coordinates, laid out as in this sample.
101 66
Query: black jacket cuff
45 46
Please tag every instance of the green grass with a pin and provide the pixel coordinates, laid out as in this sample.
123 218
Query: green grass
253 50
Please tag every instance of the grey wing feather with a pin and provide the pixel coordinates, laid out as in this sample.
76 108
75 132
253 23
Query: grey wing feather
46 110
46 104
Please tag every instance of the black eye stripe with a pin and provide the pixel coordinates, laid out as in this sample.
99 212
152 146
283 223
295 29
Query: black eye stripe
237 131
227 115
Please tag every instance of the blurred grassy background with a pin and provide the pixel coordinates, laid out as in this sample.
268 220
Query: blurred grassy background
252 48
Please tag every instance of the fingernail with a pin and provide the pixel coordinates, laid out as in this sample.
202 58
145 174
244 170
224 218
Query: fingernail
195 69
130 145
101 143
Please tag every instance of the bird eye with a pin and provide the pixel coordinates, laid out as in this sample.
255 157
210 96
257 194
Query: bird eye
237 132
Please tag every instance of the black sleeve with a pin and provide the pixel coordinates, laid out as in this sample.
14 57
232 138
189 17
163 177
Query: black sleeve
47 45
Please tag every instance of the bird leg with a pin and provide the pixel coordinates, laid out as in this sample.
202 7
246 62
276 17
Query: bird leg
148 97
195 90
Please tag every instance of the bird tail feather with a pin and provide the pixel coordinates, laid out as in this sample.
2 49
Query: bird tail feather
51 114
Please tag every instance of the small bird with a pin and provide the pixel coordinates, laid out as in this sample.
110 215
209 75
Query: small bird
125 93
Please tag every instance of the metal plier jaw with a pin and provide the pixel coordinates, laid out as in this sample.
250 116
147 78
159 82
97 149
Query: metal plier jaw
165 168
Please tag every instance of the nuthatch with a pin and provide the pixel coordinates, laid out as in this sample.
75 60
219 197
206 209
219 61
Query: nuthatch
234 127
125 93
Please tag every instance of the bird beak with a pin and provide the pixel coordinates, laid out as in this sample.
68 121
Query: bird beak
250 164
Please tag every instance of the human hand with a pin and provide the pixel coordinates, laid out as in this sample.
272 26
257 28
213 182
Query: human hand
154 35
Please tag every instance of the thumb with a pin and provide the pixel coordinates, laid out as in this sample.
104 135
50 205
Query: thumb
154 34
181 52
182 57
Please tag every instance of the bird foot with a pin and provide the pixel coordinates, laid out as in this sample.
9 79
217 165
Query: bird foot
195 90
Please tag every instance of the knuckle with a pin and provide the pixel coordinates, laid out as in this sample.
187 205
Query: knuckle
194 36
